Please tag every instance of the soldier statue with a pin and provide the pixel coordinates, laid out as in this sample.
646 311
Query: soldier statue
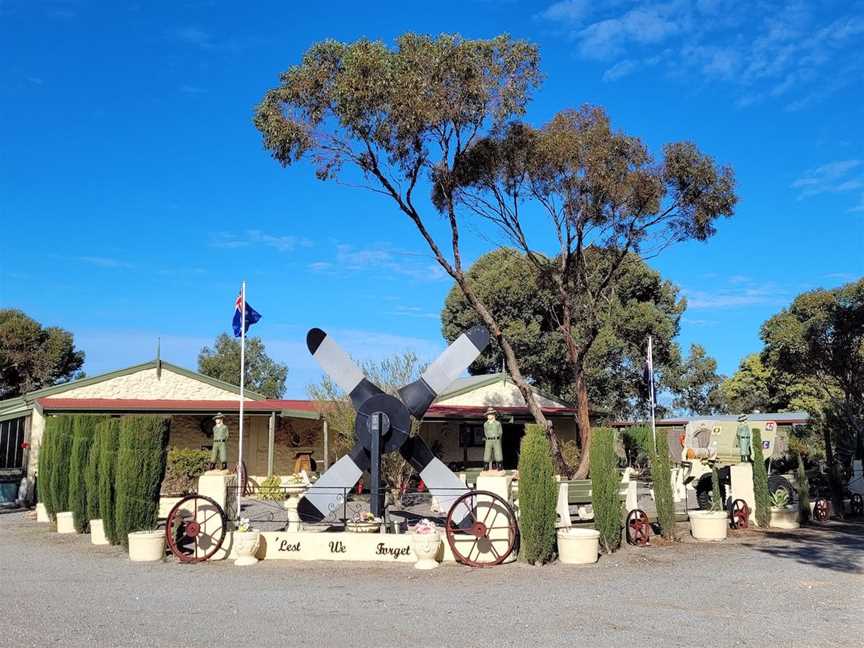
743 436
492 453
219 452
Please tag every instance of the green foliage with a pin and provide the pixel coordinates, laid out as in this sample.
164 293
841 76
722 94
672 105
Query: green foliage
141 459
91 477
570 453
58 470
183 468
537 498
661 476
107 441
716 493
32 357
82 439
43 466
780 498
760 482
263 374
605 484
270 489
803 492
698 384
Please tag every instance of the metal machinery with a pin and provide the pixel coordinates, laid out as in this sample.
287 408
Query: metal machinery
713 442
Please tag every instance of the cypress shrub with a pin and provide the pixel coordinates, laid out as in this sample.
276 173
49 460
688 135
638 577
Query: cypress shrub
107 439
661 475
716 493
183 468
605 483
140 470
43 467
803 492
537 497
58 469
91 476
82 439
760 483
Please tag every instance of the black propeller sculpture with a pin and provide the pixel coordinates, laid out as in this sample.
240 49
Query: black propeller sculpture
383 424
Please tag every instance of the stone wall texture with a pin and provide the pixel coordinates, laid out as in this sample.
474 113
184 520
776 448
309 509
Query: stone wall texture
145 385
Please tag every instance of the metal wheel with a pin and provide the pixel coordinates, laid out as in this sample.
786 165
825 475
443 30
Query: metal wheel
195 528
821 510
638 528
487 533
739 514
857 504
242 476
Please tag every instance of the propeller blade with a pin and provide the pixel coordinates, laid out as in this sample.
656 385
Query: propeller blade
325 497
340 367
442 482
418 395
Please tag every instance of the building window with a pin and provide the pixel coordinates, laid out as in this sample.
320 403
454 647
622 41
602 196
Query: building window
471 435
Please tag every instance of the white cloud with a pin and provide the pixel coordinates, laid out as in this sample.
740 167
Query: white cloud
569 11
103 262
250 238
620 70
380 257
834 177
740 291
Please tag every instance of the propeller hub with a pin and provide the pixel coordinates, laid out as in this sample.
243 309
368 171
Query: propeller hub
395 422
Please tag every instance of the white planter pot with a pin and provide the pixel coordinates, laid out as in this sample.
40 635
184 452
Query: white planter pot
363 527
65 522
426 547
42 513
784 518
147 546
709 525
578 546
97 533
246 545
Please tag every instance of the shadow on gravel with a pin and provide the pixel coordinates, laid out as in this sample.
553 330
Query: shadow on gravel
837 546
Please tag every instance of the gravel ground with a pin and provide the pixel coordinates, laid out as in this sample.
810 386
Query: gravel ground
800 588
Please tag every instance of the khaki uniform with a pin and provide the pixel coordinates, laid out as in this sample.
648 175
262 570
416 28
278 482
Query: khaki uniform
744 441
219 453
492 434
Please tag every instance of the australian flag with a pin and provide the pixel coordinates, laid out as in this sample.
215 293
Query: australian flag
252 316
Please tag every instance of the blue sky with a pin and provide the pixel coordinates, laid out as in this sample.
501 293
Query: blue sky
135 194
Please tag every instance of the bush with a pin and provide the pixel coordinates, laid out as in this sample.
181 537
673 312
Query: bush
803 492
184 467
91 478
716 493
661 475
107 439
760 483
638 443
43 475
570 453
141 461
82 439
270 489
58 469
537 497
605 484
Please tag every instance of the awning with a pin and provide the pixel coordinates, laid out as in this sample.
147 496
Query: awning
286 408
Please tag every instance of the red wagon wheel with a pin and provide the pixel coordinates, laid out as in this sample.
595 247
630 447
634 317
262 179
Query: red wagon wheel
821 509
857 504
481 529
195 528
638 528
239 469
739 513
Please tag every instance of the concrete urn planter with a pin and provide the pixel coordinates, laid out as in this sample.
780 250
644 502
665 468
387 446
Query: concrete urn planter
426 547
578 546
363 527
246 545
65 522
97 533
42 513
709 525
147 546
784 518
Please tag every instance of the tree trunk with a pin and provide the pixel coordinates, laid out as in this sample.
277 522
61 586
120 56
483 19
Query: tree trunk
833 476
583 421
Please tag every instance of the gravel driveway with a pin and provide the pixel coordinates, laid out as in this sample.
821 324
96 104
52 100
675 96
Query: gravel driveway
801 588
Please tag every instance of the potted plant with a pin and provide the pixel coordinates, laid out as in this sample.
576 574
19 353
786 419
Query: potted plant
426 541
363 522
578 546
146 546
712 524
783 515
246 543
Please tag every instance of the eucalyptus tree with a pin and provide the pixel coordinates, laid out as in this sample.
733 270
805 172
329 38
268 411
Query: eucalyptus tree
597 189
404 117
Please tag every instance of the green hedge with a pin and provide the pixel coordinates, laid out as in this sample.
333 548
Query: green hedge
184 467
537 498
661 475
60 429
141 462
43 467
91 478
760 482
605 484
716 493
106 443
82 439
803 492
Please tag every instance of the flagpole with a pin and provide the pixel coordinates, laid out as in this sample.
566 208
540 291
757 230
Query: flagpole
241 476
651 387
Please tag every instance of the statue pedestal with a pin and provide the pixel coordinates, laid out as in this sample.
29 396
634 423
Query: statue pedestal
742 487
497 482
214 484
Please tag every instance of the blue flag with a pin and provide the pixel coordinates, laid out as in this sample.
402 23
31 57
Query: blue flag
252 316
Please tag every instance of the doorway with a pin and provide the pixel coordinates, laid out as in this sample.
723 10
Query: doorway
511 439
